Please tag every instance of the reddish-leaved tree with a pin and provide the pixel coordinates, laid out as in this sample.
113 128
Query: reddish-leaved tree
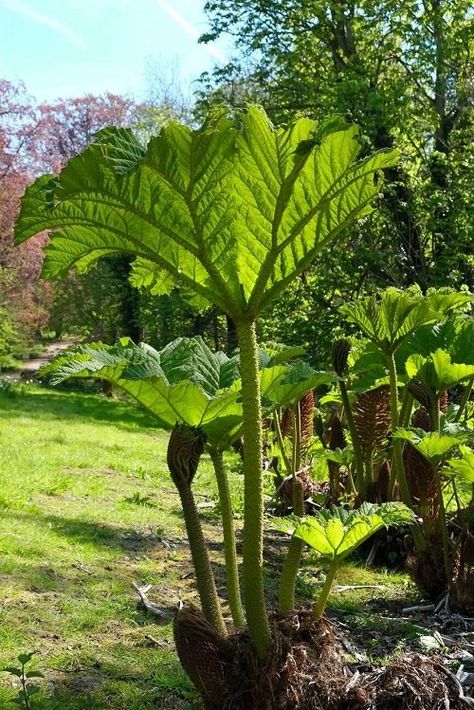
35 139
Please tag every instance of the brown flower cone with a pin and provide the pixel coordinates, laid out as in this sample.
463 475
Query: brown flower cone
420 475
286 423
286 488
421 419
420 392
382 483
336 439
371 413
307 405
444 402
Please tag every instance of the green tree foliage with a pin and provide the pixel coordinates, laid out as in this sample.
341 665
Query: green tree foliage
99 304
10 327
403 72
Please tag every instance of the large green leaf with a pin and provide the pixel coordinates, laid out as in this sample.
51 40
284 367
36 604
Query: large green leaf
368 367
233 211
432 445
344 457
337 532
181 383
437 372
390 318
186 381
279 355
192 359
455 335
415 364
313 533
284 385
461 349
465 465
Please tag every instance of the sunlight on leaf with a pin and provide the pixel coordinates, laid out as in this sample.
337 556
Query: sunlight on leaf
432 445
464 466
337 532
232 211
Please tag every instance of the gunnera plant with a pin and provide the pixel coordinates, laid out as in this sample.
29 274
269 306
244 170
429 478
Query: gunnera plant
233 211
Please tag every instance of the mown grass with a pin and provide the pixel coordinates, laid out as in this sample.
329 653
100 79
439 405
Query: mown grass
86 509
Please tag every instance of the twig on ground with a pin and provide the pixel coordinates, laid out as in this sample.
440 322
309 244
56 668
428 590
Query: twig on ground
443 604
149 606
348 587
80 566
418 607
157 642
397 619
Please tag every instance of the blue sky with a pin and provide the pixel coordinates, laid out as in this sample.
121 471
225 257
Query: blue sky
73 47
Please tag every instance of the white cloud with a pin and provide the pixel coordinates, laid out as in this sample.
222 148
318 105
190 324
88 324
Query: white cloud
190 29
21 8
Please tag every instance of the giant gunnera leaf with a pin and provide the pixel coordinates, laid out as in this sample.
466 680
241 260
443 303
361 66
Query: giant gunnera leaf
233 210
433 445
337 532
463 466
186 381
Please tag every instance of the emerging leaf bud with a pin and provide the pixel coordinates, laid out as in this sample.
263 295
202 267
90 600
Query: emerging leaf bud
421 392
421 419
340 352
307 406
444 402
205 655
337 437
185 447
421 479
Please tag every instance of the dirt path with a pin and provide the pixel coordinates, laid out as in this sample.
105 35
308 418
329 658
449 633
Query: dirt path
30 367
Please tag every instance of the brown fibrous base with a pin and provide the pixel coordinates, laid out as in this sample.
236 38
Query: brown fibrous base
409 682
306 670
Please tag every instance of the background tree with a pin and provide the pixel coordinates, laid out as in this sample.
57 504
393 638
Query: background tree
22 300
403 71
42 138
102 304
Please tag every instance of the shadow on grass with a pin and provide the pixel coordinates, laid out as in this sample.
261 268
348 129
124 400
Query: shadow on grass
86 531
113 685
48 404
87 692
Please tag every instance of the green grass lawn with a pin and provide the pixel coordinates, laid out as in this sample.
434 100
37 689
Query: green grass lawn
86 509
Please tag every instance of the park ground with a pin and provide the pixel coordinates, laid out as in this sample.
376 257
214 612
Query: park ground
87 509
